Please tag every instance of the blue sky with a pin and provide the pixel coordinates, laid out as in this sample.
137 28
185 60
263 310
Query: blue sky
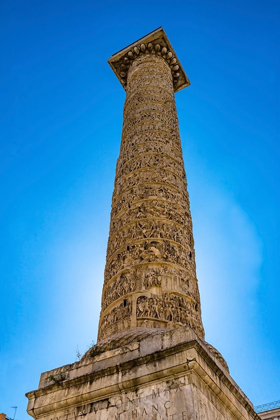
61 118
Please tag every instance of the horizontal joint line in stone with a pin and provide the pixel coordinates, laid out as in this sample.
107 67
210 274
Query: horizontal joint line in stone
143 264
128 110
147 70
163 219
161 155
148 169
157 219
179 372
150 102
152 130
132 242
146 87
138 241
150 62
143 111
112 279
148 122
148 200
143 143
139 293
126 147
130 96
149 75
144 184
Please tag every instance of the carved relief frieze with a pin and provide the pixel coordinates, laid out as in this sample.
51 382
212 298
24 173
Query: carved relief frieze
159 126
151 209
144 192
149 67
149 251
170 308
154 93
118 319
148 77
159 138
148 116
151 175
133 106
123 285
149 229
150 125
149 97
146 277
142 129
152 160
148 148
147 191
180 281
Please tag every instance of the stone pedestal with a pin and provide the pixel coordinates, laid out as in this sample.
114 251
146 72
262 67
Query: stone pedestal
166 375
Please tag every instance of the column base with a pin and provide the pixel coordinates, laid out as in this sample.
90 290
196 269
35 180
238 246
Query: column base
166 375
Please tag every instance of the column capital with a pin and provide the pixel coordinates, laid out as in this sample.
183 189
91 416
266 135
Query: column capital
155 43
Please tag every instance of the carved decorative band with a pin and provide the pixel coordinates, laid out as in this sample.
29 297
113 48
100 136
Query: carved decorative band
149 116
175 269
153 49
118 318
143 278
137 104
151 95
159 139
144 132
150 124
153 209
147 161
149 147
170 308
150 252
145 191
152 176
150 230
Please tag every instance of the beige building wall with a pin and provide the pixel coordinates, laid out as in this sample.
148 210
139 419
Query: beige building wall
270 411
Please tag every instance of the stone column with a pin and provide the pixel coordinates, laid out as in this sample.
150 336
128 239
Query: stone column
139 369
150 275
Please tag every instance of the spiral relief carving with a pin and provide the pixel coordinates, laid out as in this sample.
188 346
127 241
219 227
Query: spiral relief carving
170 308
150 274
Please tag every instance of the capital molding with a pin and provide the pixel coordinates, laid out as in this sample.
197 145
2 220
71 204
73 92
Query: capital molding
155 43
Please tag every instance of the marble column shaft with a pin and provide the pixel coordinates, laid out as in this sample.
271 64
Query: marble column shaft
150 275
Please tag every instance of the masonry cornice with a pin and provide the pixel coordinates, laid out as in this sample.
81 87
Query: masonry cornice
180 357
155 44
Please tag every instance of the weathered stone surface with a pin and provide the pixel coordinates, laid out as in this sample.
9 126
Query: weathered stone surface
151 361
166 375
150 274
